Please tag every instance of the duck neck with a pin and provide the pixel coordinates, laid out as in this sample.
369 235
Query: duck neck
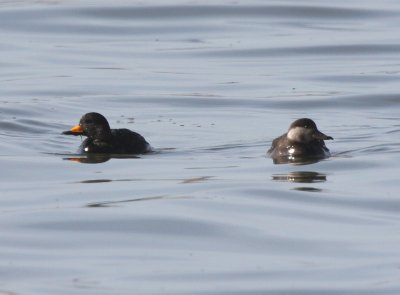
103 135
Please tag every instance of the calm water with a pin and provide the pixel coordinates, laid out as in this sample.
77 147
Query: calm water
209 84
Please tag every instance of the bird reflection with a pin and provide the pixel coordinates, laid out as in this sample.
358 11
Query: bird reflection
296 160
300 177
97 158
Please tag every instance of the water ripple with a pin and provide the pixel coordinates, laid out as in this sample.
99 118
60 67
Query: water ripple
309 51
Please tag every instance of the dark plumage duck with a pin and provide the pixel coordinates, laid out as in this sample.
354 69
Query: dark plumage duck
102 139
303 140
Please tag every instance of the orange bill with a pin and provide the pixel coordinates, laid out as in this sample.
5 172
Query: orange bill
76 130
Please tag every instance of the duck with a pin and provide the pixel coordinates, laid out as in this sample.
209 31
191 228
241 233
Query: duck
102 139
302 141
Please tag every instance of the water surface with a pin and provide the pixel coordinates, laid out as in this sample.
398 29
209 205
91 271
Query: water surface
209 85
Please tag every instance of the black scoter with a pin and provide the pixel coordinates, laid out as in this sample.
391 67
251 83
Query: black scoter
303 140
102 139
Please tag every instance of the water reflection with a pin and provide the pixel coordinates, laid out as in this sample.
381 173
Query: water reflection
297 160
197 179
97 158
115 203
308 189
300 177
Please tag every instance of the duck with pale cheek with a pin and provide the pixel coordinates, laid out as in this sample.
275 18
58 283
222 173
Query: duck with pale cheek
102 139
303 140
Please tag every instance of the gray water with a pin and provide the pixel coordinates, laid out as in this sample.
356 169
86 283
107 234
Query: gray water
209 84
